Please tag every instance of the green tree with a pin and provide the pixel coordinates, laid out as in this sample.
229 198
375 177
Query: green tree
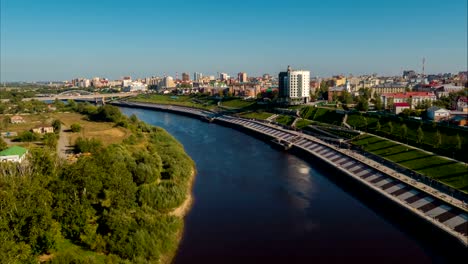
75 127
404 131
378 104
50 140
363 104
3 144
459 143
57 125
420 135
438 139
84 145
28 136
390 127
6 122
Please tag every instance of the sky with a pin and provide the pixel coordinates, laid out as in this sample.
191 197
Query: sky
64 39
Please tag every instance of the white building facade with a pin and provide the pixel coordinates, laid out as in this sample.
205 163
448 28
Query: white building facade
298 85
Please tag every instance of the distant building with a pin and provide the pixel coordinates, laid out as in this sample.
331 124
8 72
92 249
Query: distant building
185 77
294 86
334 92
126 81
167 82
462 104
389 88
414 97
409 74
242 77
13 154
43 130
197 76
17 119
223 76
436 113
399 107
135 87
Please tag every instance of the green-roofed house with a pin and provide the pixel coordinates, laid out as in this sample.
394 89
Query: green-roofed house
13 154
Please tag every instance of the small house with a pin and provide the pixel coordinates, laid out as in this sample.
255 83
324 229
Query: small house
437 113
17 119
13 154
43 130
400 107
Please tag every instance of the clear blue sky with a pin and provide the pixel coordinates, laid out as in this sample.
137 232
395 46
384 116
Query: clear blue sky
62 39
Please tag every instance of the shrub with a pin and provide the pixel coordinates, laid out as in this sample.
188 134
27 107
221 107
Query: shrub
75 127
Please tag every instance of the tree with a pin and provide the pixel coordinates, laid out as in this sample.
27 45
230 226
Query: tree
83 145
404 131
27 136
459 143
50 140
3 144
57 125
438 139
390 127
75 127
6 122
420 135
363 104
378 102
364 121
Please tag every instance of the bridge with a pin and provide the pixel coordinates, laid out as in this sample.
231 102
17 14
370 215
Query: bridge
447 213
86 96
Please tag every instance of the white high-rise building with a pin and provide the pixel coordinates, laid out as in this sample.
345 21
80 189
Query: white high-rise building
295 85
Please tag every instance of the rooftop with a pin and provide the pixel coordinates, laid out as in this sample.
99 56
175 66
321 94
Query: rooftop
15 150
401 104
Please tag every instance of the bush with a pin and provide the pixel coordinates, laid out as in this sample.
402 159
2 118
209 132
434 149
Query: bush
84 145
27 136
75 127
50 140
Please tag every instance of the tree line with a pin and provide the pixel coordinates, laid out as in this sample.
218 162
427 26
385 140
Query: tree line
114 202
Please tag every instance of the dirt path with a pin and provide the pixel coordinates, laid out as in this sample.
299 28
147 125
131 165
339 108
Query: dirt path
62 145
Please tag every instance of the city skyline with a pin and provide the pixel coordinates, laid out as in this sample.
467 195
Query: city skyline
52 40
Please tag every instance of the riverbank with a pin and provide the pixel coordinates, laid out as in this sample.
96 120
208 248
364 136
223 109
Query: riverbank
446 218
181 212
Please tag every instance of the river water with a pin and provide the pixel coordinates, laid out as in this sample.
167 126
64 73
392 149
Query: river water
255 204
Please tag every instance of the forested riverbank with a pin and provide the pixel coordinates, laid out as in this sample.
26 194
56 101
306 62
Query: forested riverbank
113 204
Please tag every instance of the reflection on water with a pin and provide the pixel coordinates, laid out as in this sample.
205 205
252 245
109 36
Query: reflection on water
254 204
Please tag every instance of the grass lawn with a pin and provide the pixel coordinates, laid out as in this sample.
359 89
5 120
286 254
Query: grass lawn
236 103
285 120
103 131
302 123
450 172
256 115
182 100
107 133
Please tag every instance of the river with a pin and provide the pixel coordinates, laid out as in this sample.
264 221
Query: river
255 204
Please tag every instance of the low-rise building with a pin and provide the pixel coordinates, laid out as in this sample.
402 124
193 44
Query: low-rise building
335 92
13 154
462 104
389 88
400 107
414 98
17 119
43 130
437 114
